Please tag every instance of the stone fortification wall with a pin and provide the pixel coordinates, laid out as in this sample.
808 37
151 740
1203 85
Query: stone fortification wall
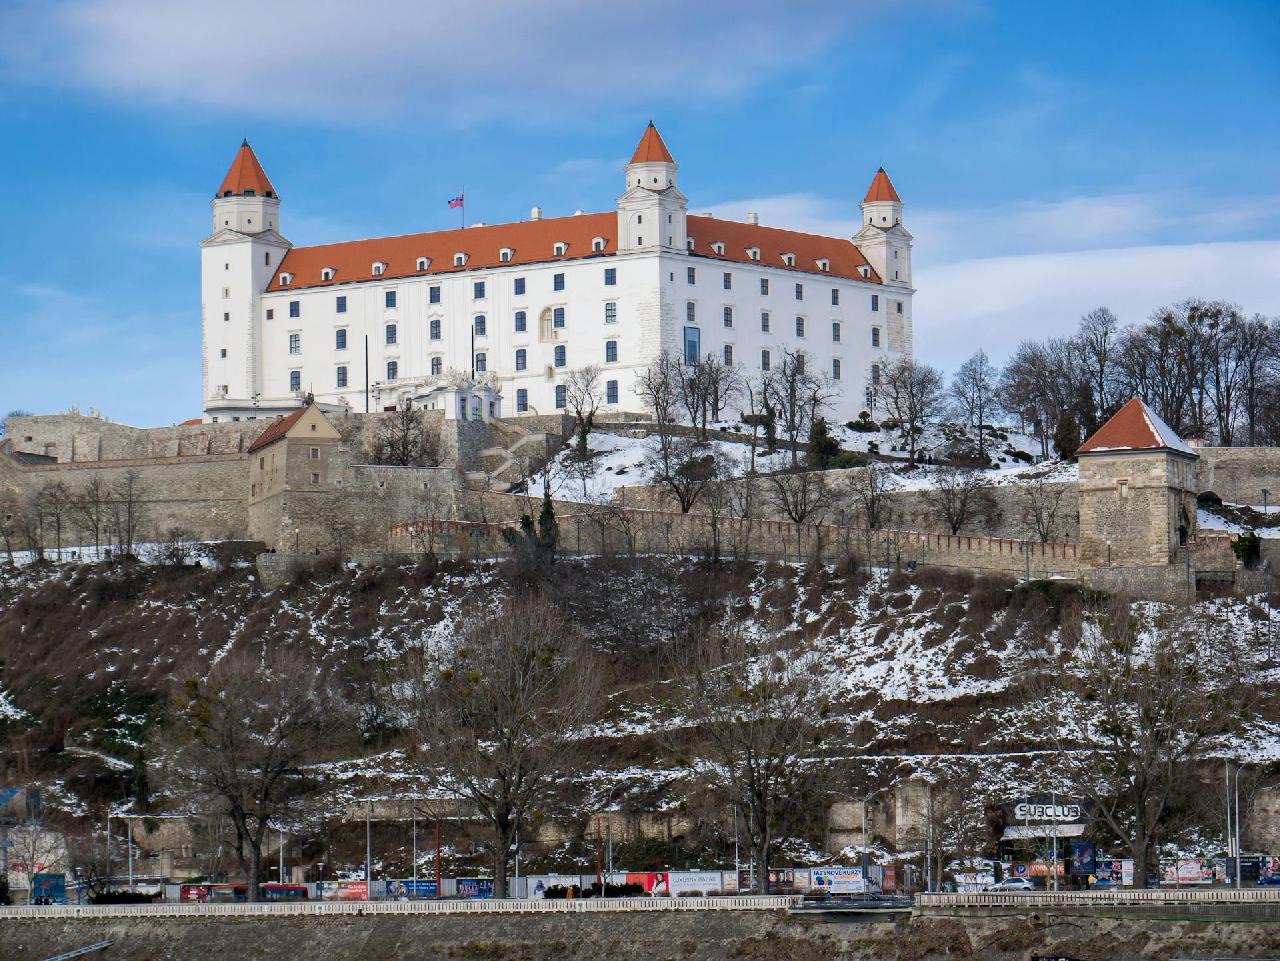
203 495
76 437
1238 474
1000 511
609 529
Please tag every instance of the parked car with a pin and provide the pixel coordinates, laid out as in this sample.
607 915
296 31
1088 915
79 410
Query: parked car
1012 884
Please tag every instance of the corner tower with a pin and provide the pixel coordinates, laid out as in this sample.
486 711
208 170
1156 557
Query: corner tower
237 261
652 210
1137 490
882 239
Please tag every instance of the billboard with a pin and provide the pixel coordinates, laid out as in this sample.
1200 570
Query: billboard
651 882
681 883
475 887
1114 872
1082 857
410 889
1188 871
837 880
344 890
49 889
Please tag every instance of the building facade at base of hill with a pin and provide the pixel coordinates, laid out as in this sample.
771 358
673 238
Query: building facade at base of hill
297 486
367 324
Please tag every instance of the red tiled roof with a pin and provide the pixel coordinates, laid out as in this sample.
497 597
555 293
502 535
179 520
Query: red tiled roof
651 149
246 174
1135 426
191 422
881 189
533 241
279 427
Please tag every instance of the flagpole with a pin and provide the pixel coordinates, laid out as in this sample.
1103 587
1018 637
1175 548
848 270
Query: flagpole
462 207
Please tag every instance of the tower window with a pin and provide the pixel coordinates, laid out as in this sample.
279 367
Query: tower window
690 311
479 325
340 305
764 321
691 274
728 281
835 296
875 336
799 326
611 392
295 343
522 400
223 353
393 370
611 312
270 315
728 316
835 368
875 301
295 308
390 334
436 366
477 290
482 362
433 328
611 276
518 286
835 331
561 396
389 298
610 351
875 374
295 380
557 317
522 359
557 282
764 360
899 306
560 355
799 291
226 317
342 377
728 355
266 259
521 321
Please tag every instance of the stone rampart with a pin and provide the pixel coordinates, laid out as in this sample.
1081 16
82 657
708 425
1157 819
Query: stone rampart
76 437
1238 474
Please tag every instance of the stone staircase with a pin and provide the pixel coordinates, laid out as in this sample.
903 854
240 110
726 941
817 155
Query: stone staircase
518 454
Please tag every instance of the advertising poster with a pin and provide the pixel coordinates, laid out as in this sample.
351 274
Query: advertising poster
475 887
1268 870
651 882
1114 872
686 883
345 890
1082 857
889 882
1187 871
49 888
410 889
537 884
782 880
838 880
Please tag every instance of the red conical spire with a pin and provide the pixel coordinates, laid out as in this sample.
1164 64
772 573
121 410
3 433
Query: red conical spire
651 149
881 189
246 174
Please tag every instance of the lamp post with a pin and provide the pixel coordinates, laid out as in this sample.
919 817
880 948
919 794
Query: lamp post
368 851
297 539
1265 494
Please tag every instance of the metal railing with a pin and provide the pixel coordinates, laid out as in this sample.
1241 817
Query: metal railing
506 906
986 899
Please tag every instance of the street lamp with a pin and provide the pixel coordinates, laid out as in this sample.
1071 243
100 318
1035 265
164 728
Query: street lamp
1265 494
297 537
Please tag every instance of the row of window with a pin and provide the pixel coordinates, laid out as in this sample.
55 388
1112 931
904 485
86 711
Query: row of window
691 315
691 275
479 288
562 396
505 255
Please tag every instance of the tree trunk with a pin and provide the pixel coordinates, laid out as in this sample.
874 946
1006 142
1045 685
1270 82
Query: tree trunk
501 861
762 864
1139 850
255 871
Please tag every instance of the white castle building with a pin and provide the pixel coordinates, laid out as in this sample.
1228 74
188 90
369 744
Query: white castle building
368 324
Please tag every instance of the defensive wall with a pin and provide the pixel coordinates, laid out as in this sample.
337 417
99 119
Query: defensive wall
575 932
1238 474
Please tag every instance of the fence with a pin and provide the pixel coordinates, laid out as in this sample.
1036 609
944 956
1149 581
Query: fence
1111 896
509 906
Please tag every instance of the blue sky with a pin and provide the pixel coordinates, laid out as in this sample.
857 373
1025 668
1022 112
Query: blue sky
1053 156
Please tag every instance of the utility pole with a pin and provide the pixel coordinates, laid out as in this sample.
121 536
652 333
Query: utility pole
439 877
281 872
415 849
368 851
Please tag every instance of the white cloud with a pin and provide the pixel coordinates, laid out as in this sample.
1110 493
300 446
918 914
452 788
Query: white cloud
332 59
996 302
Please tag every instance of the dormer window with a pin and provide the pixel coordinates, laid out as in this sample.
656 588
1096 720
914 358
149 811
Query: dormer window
823 264
327 273
560 248
789 259
286 280
718 247
597 244
864 270
753 253
689 243
379 268
505 255
459 260
424 263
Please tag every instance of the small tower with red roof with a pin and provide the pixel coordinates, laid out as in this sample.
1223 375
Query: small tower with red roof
882 239
652 211
237 261
1137 490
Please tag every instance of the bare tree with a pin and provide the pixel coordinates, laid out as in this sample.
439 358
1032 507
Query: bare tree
722 384
402 438
1147 703
911 392
869 489
685 467
1041 503
239 742
759 413
128 510
90 508
582 397
432 504
500 713
753 709
957 495
973 390
796 396
54 500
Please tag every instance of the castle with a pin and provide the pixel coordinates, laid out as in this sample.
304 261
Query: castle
366 325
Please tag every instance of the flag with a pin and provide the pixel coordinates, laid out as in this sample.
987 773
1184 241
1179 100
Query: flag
456 201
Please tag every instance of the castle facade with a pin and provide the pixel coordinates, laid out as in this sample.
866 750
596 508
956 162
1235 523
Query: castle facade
367 325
